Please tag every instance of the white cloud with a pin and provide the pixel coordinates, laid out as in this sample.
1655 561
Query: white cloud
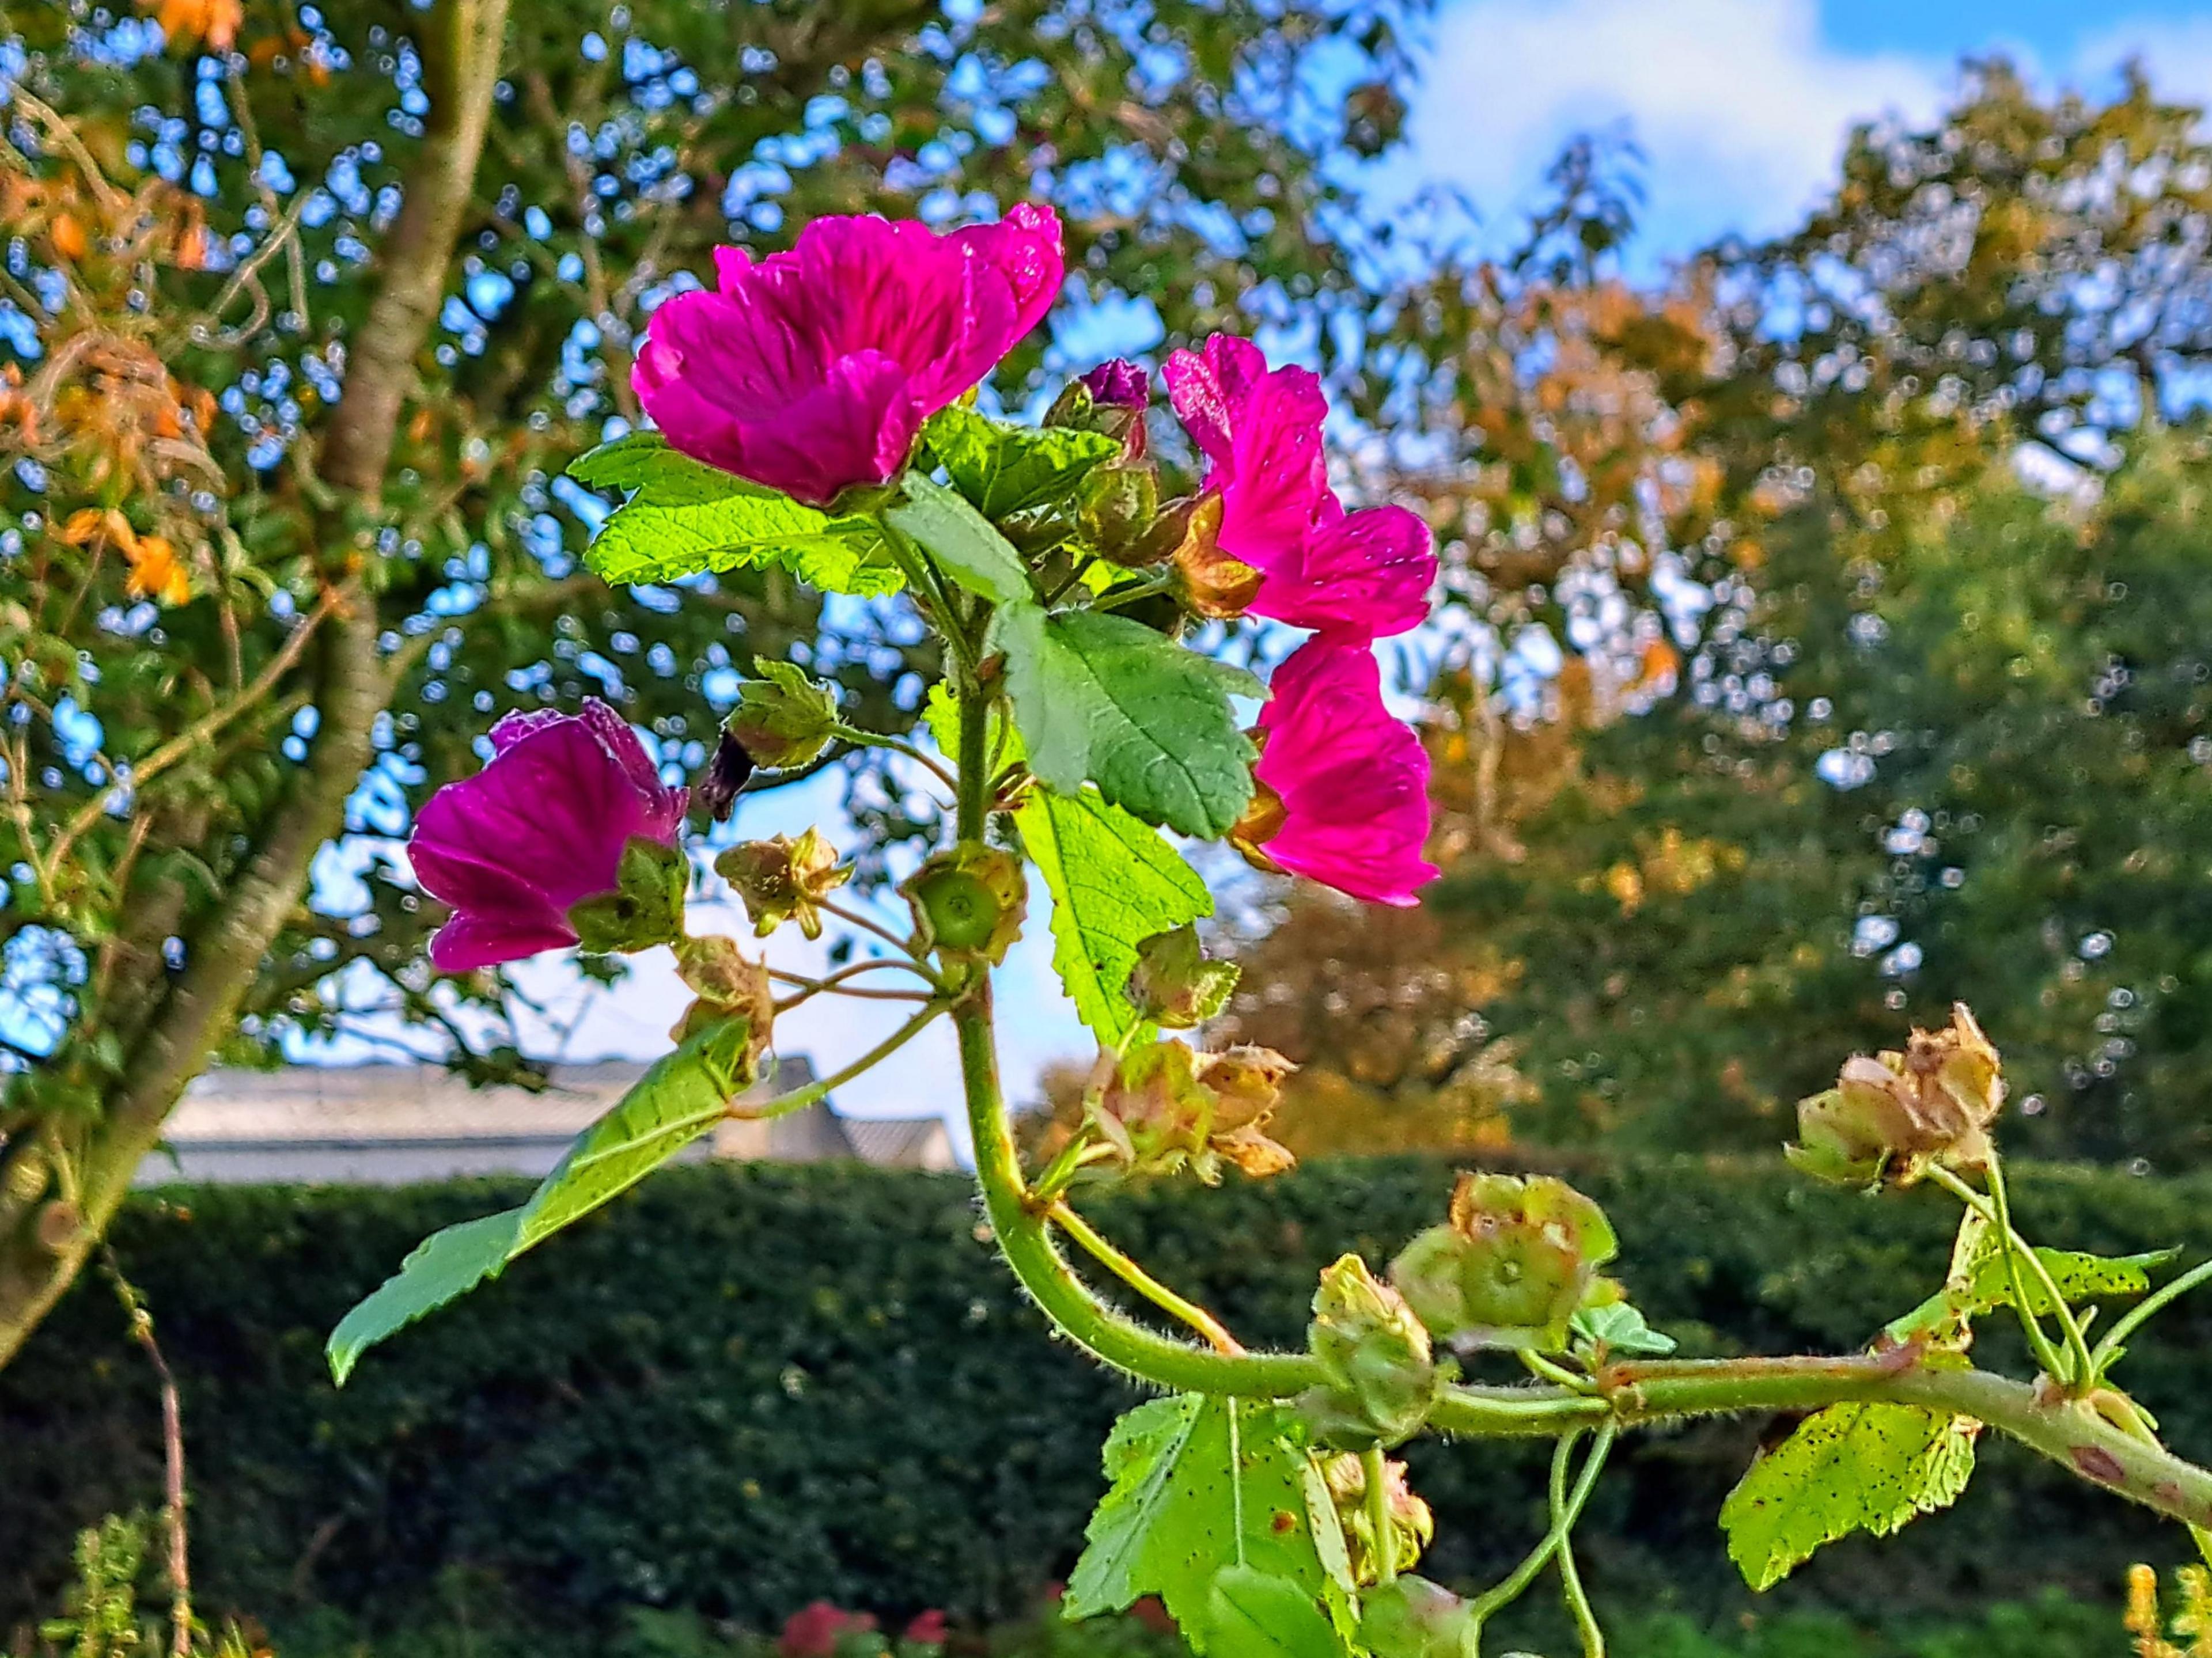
2177 50
1740 106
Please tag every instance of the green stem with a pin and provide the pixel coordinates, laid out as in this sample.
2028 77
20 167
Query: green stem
929 593
1537 1365
1487 1604
855 917
1094 1244
1571 1577
1379 1525
2084 1368
1061 1171
2143 1311
2015 1250
800 1098
860 738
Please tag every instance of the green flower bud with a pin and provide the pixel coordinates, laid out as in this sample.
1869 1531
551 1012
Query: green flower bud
1413 1617
1174 985
1376 1353
783 879
783 719
1412 1525
1166 1106
970 901
1892 1116
646 909
1119 506
1510 1268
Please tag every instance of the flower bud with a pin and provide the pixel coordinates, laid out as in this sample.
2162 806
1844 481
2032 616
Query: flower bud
970 901
1120 504
1166 1107
1509 1268
1890 1117
726 982
783 879
1381 1374
1174 985
1411 1524
783 719
646 909
1413 1617
728 772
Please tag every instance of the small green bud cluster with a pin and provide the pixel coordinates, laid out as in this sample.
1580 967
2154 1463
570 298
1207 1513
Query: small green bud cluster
1382 1370
1516 1262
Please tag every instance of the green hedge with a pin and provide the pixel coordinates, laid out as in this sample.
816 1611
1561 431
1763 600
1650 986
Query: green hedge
746 1387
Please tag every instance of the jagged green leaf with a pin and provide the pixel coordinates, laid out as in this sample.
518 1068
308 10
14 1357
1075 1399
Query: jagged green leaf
1256 1614
1980 1281
1003 468
1115 882
443 1267
1620 1328
1101 698
962 541
1198 1483
683 519
1847 1468
680 1097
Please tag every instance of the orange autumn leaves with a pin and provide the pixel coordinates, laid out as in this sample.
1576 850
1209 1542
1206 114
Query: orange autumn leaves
155 570
213 23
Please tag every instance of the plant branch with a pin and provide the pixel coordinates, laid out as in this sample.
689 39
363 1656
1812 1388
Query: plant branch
1376 1470
2109 1349
1495 1599
784 1104
1099 1249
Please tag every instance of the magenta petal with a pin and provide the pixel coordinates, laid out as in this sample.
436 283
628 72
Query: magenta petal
539 829
1354 781
1024 247
812 371
1364 576
1275 482
1208 388
1117 383
477 938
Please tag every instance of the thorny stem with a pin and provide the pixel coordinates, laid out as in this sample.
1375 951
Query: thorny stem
1099 1249
1379 1524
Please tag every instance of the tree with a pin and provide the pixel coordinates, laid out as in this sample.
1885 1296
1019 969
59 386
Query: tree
1869 382
315 306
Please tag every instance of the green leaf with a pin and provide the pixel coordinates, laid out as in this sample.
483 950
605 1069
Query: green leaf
1621 1329
1978 1282
1004 469
1198 1483
1114 883
962 539
1255 1614
685 518
1851 1467
681 1097
444 1267
1106 699
2079 1276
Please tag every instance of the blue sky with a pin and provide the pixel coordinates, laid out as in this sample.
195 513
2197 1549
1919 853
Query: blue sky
1741 104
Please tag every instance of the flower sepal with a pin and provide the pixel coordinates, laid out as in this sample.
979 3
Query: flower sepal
1383 1373
1165 1106
1413 1617
646 909
1516 1262
725 981
1411 1524
1889 1117
969 903
782 879
1174 985
784 718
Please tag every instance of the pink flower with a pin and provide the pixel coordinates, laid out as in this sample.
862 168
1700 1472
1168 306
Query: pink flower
1350 784
1261 431
812 1630
540 829
1117 383
813 370
927 1629
1360 575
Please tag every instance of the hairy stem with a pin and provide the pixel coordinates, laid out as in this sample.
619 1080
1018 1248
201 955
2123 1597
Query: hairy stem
1379 1525
1094 1245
